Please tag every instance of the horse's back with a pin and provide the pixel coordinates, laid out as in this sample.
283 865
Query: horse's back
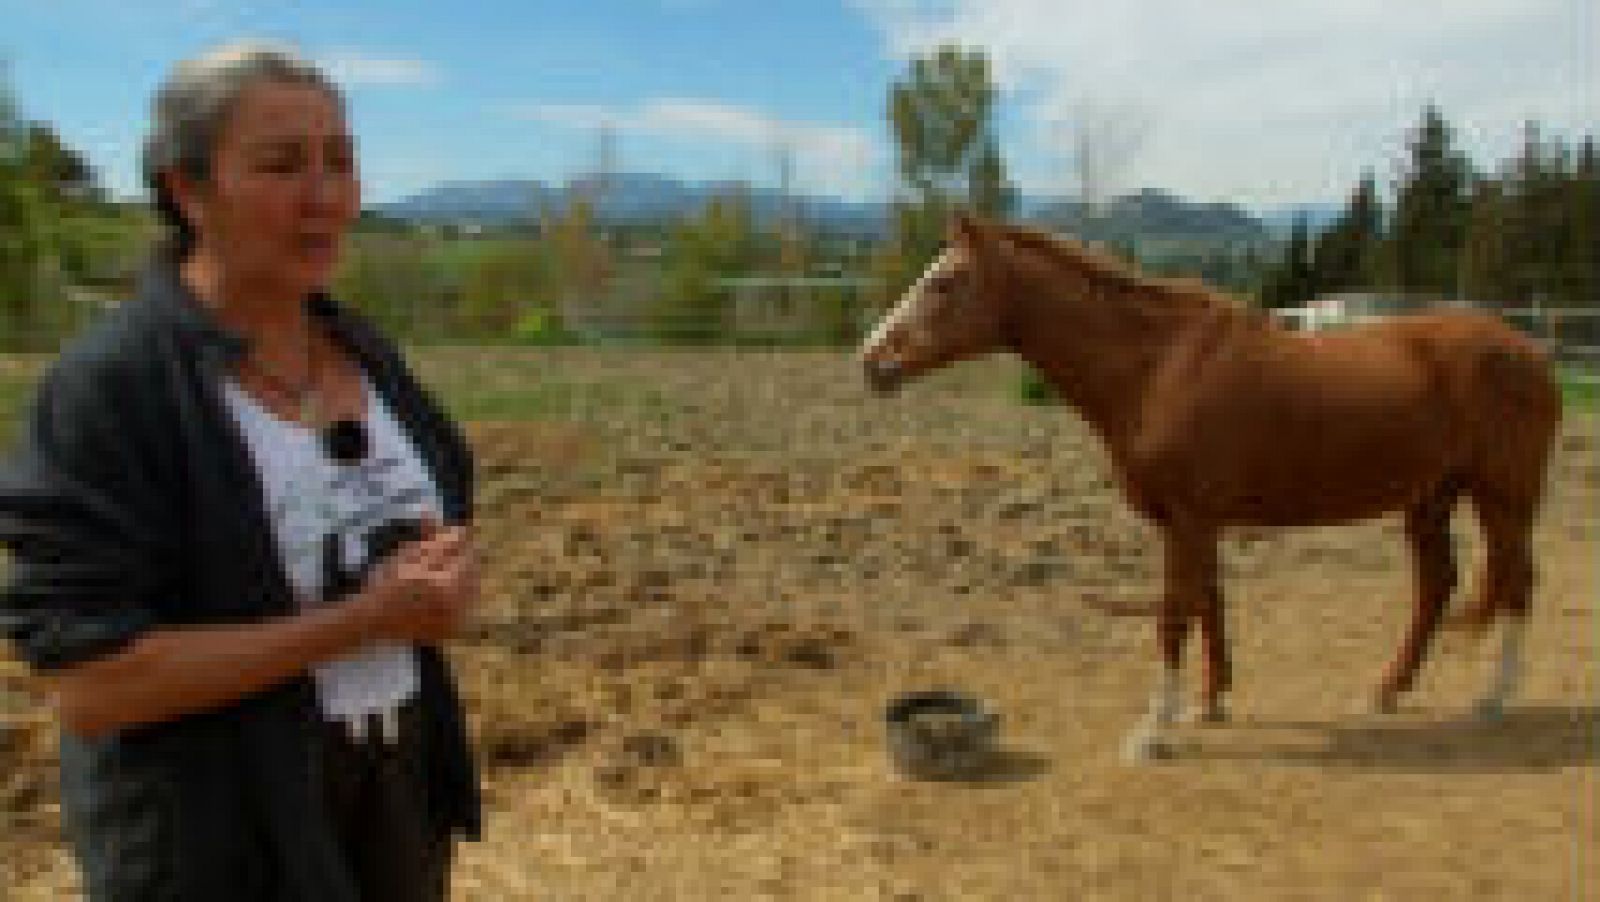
1472 358
1486 366
1491 388
1279 427
1504 384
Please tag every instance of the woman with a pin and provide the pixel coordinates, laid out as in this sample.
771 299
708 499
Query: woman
238 529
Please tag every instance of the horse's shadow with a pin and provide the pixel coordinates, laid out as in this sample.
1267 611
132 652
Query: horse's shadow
1527 738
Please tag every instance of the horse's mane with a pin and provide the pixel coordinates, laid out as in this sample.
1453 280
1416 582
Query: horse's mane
1108 270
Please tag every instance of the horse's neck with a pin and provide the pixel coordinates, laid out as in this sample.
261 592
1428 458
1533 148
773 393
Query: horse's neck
1102 354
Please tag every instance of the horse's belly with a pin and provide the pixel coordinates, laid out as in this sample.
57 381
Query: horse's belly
1332 481
1315 508
1306 467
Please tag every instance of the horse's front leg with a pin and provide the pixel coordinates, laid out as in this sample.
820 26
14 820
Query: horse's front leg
1190 578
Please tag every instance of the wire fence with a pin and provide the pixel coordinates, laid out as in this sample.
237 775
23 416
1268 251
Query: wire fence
768 311
745 311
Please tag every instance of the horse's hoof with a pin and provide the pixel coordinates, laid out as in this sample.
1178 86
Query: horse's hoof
1213 713
1143 747
1385 702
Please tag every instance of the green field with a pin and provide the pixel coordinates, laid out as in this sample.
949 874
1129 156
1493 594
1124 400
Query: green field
1580 389
473 387
468 382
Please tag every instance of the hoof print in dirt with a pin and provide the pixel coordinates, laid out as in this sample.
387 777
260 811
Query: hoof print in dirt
651 749
978 634
634 767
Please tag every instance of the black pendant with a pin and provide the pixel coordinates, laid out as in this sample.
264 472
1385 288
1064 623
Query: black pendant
345 441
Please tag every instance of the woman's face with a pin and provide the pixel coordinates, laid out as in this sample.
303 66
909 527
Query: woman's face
283 189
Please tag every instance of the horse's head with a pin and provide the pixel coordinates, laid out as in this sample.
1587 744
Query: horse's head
951 313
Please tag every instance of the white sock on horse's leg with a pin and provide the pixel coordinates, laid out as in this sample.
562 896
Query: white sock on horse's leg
1146 741
1508 670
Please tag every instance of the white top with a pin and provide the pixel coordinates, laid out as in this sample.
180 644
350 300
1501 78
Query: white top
309 497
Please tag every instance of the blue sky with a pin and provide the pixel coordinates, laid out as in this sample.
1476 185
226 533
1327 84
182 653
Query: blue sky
1256 102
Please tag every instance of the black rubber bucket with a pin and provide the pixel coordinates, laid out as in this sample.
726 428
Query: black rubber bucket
940 734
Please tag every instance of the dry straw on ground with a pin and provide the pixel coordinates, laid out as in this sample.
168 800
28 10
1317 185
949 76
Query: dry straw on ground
702 591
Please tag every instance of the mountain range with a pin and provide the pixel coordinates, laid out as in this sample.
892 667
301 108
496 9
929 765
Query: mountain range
619 198
634 197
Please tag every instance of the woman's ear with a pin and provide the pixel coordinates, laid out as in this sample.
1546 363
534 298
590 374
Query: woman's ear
185 193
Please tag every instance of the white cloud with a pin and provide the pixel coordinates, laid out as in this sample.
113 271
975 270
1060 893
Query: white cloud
1267 102
834 159
358 68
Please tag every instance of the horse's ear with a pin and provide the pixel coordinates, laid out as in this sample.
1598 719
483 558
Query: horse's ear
964 229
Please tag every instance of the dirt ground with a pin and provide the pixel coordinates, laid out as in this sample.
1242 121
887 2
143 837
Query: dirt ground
708 573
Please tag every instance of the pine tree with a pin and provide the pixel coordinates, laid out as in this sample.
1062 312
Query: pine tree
1581 268
1485 261
1342 259
1430 215
1293 281
1534 210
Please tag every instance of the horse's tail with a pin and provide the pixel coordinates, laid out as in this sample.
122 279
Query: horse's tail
1518 411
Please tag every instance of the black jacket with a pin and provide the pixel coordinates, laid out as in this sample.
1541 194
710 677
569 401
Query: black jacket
131 502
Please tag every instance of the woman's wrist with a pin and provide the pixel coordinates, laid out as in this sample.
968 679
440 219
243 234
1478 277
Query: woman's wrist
361 613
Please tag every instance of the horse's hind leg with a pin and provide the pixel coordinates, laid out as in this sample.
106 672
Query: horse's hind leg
1507 593
1507 482
1433 559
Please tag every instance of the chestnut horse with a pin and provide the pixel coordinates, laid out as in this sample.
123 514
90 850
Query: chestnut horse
1215 416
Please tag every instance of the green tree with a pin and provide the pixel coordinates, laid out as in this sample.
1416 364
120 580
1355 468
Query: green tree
988 190
1292 282
23 245
1580 272
1342 259
388 277
505 280
61 172
719 241
941 112
1533 210
581 264
1486 272
1431 211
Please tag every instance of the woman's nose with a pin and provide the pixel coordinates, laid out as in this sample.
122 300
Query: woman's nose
327 185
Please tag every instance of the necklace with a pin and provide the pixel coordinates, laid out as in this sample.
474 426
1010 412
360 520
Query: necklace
302 394
343 440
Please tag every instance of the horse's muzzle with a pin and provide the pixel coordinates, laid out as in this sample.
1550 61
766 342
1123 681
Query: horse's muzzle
885 376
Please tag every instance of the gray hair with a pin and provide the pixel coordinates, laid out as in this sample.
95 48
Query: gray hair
193 105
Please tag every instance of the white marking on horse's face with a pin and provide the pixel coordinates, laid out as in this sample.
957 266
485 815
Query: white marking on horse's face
905 337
